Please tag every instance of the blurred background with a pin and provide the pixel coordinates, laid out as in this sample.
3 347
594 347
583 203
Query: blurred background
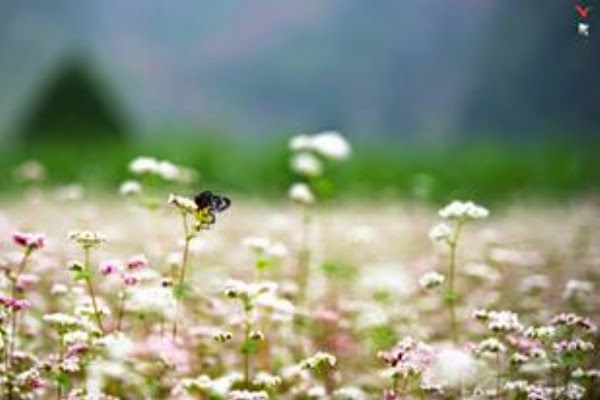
490 99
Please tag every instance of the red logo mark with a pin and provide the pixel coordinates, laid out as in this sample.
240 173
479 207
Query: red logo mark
582 11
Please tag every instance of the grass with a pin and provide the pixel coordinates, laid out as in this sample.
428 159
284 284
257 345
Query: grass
484 171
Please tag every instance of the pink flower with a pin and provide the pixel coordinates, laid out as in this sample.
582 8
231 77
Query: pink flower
130 280
16 304
389 395
32 241
27 281
109 268
137 262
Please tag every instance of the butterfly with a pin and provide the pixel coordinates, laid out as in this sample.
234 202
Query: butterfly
208 204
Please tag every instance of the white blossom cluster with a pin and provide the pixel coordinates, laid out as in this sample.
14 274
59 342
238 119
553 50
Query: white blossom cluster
462 210
309 154
168 171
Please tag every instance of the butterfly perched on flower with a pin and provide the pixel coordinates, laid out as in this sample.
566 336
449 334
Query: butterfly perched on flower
208 205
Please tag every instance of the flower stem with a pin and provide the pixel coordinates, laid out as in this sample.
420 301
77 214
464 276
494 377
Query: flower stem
90 286
452 295
179 288
304 257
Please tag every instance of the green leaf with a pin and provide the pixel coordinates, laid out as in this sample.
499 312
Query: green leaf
250 347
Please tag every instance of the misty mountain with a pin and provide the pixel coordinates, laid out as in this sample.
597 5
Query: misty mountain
429 68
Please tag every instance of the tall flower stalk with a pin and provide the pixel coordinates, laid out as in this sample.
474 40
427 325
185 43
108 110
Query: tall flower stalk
30 242
202 211
309 158
88 240
458 213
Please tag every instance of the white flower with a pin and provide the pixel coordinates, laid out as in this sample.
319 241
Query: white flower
454 367
151 298
267 380
491 345
247 395
463 210
301 193
263 246
440 233
300 143
86 239
130 188
31 171
576 287
144 165
504 321
183 203
306 164
332 145
320 358
328 144
349 393
431 280
168 171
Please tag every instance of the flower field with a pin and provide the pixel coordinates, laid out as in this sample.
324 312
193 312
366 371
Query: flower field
162 292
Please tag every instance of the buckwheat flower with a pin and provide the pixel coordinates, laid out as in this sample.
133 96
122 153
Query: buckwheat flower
519 386
541 333
349 393
580 373
184 204
431 280
137 262
300 143
247 395
575 287
463 210
223 337
266 380
130 280
454 367
571 346
72 192
534 283
117 345
59 289
263 246
482 271
258 244
109 267
572 391
237 289
504 321
440 233
30 171
31 241
518 359
86 239
301 194
306 164
27 281
61 320
130 188
143 165
153 299
319 359
316 392
331 144
168 171
490 345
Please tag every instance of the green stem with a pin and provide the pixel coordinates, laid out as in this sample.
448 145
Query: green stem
304 257
452 296
247 349
179 288
90 286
